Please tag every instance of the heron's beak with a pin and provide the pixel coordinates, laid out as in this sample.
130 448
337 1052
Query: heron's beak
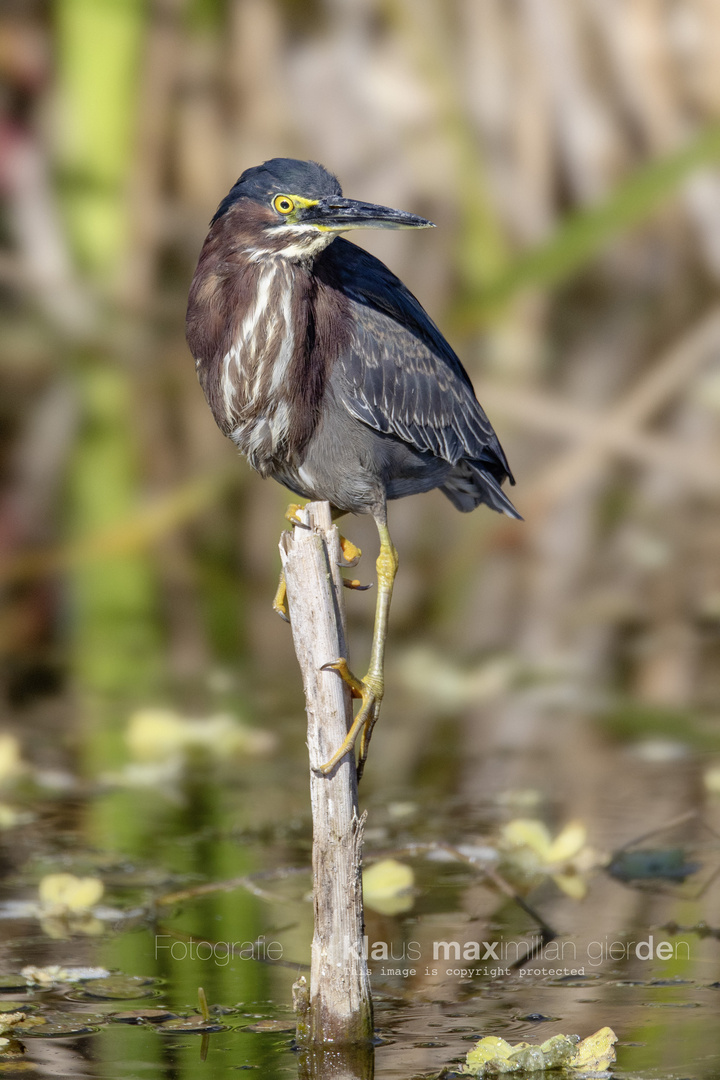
337 215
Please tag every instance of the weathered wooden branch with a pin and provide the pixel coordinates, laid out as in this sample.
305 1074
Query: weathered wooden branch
339 1010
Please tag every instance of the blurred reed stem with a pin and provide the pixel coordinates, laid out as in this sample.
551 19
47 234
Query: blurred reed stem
585 234
481 252
116 637
99 48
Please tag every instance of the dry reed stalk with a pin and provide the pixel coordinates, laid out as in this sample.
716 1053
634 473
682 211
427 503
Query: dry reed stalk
562 419
667 377
339 1009
159 78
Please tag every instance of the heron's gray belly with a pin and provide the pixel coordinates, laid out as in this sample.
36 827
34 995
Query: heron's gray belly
357 468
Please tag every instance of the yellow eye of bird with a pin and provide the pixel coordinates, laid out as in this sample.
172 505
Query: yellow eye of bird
283 204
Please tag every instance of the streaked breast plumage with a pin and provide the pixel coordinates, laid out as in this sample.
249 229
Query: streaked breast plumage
250 401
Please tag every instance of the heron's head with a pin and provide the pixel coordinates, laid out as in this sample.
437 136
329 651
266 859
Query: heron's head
293 209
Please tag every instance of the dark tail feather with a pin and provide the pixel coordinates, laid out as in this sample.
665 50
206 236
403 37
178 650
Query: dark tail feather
469 485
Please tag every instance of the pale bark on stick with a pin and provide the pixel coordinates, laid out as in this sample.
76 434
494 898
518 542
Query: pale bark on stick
340 1006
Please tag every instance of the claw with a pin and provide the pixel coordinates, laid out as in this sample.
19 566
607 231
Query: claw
353 583
291 515
370 697
350 552
280 599
357 687
369 690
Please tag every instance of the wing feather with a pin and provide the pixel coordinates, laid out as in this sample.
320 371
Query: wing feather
399 373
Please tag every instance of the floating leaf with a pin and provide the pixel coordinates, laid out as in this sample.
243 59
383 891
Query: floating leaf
62 894
493 1055
711 779
272 1025
45 976
158 775
568 843
11 764
528 833
62 927
453 686
191 1024
573 885
559 1051
596 1053
491 1048
527 1059
158 735
57 1028
10 817
117 988
9 1020
388 887
143 1016
530 853
82 974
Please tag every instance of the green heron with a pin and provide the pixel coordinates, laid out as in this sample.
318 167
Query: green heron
328 374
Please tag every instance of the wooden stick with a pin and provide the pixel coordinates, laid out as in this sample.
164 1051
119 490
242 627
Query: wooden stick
339 1010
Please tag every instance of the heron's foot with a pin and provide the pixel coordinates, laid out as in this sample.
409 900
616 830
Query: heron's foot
280 599
370 693
291 515
350 556
350 552
357 686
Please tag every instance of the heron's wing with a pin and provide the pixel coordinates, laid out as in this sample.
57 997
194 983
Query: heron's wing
400 375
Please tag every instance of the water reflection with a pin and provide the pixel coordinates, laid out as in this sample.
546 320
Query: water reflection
207 886
337 1063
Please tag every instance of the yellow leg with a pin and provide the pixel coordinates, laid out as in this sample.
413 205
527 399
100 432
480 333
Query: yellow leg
365 737
280 599
370 690
350 556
